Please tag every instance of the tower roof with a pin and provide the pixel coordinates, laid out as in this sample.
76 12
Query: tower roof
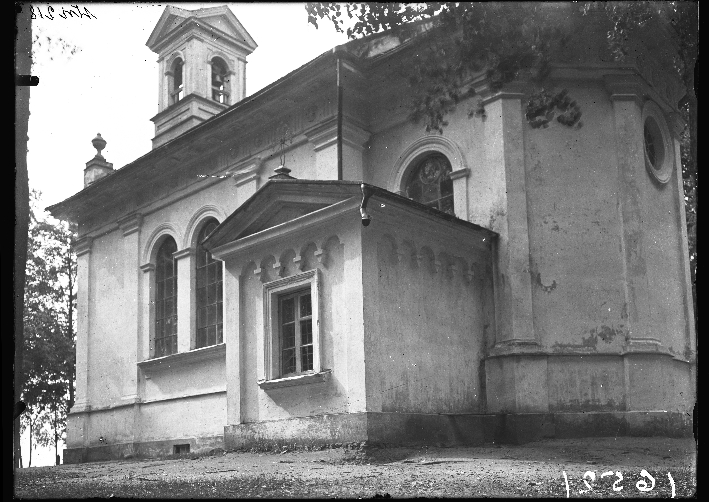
219 20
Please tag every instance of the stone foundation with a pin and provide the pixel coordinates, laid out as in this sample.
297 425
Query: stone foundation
145 449
407 429
451 429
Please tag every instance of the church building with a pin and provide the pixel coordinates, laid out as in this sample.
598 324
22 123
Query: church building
307 265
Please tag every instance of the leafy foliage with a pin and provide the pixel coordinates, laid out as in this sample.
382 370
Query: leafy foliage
509 40
464 41
49 327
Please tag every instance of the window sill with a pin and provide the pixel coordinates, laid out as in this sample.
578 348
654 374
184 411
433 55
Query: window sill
183 358
295 380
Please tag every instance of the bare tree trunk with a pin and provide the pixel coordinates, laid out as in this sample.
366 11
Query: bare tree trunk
29 462
23 66
56 446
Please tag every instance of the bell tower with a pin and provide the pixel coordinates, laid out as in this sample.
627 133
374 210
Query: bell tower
202 57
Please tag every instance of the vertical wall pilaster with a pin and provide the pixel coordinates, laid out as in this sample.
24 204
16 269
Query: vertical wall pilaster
185 299
324 140
234 346
504 152
626 95
130 227
460 192
83 324
145 346
690 328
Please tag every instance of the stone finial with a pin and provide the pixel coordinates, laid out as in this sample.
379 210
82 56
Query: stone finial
97 167
99 144
282 173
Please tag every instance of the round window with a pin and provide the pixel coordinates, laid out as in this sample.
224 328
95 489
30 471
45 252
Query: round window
659 160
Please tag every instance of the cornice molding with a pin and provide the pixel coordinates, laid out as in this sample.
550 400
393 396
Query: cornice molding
625 88
130 224
83 246
324 134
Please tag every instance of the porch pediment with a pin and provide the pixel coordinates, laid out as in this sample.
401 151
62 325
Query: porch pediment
277 202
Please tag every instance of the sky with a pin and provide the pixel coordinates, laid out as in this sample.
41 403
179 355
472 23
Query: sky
110 86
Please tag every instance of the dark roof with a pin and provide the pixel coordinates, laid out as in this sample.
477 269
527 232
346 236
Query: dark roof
339 190
110 187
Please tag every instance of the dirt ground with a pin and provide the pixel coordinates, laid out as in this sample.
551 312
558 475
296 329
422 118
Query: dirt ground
654 467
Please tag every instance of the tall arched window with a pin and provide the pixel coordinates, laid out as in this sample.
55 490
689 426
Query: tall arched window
166 299
177 92
429 183
209 293
220 78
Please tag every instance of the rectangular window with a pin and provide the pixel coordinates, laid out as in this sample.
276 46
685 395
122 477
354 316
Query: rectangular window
296 332
292 338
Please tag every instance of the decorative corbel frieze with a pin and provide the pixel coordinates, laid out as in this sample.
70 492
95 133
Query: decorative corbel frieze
279 268
470 274
299 261
321 256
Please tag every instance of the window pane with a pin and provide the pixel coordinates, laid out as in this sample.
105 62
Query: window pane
169 289
169 306
288 310
202 317
220 334
306 332
219 290
211 335
306 358
201 297
160 293
305 306
211 314
429 183
211 294
288 361
220 313
201 337
288 336
201 277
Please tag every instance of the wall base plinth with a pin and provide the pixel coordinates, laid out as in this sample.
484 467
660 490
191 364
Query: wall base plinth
143 449
393 429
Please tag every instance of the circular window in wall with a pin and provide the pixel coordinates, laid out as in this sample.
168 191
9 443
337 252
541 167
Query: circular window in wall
657 142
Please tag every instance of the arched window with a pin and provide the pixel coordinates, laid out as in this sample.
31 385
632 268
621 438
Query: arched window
209 293
429 183
220 78
177 92
166 299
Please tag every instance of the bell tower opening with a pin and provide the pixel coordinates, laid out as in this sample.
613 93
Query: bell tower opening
202 57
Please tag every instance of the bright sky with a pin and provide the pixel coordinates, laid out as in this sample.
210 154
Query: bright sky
111 86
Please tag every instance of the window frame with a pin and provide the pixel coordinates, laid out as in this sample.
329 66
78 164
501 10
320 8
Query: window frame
413 172
219 293
177 94
157 299
225 84
273 293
